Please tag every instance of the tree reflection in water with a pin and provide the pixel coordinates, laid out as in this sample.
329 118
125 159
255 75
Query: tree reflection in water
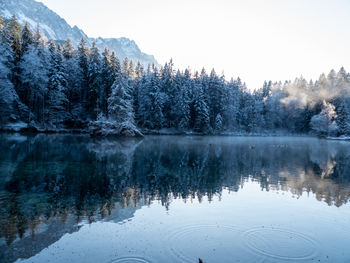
53 182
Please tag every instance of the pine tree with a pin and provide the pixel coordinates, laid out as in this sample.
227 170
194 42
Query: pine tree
107 79
218 122
57 88
215 91
120 102
115 64
182 102
259 109
12 35
27 38
83 59
125 66
68 49
202 120
144 101
172 85
139 70
137 86
94 78
11 107
131 70
168 88
39 39
158 99
231 101
34 78
274 109
151 101
13 31
343 118
74 81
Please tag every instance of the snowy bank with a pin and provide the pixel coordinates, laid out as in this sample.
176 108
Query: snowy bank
111 128
15 127
340 138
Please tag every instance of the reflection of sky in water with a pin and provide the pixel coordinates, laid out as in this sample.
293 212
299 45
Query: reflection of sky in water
174 199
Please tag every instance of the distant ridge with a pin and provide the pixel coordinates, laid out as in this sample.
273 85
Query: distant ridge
55 27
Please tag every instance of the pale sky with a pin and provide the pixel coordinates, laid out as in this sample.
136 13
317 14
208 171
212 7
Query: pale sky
256 40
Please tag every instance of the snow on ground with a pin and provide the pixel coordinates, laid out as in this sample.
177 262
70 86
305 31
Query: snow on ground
340 138
17 126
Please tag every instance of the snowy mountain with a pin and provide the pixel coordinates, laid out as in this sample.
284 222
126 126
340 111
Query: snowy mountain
55 27
125 47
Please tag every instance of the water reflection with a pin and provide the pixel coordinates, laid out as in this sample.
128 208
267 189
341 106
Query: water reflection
51 183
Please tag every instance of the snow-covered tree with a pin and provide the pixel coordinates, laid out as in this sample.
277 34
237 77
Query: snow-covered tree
94 78
57 87
168 86
120 107
34 78
74 78
11 107
120 101
27 38
218 122
179 105
231 102
13 31
202 120
83 59
52 86
68 49
125 66
216 96
343 118
107 78
151 101
137 83
324 124
184 108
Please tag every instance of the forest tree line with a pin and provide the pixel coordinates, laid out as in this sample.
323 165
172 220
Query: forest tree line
53 85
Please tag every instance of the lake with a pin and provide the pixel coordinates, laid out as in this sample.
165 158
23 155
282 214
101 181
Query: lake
71 198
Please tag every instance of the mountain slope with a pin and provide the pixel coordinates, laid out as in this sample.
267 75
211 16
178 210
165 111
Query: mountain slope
55 27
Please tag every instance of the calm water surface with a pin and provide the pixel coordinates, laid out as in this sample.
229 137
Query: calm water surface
66 198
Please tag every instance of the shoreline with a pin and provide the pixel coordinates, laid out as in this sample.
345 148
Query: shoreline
23 128
165 132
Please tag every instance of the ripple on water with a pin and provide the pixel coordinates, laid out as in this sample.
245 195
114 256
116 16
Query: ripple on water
282 244
212 243
130 260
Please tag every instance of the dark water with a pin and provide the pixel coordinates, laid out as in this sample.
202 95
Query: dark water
173 199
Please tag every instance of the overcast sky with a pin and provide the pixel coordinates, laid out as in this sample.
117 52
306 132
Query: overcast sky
252 39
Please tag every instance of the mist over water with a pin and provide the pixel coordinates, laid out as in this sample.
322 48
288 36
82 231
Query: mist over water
70 198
